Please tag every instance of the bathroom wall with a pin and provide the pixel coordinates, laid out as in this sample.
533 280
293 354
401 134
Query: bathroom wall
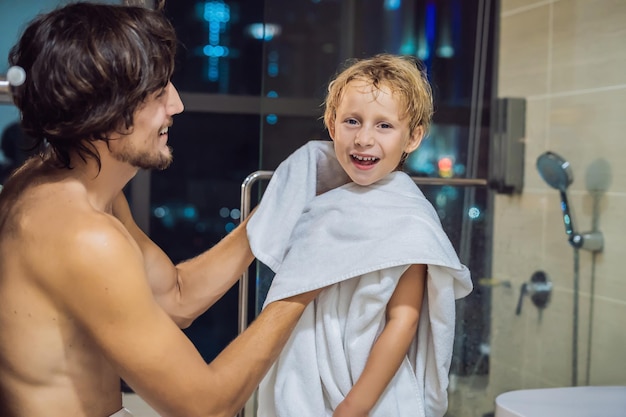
567 58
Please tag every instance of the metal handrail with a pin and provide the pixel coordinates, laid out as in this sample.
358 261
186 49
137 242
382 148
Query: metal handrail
246 187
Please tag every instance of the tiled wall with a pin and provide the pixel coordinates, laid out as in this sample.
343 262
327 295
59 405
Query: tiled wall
568 59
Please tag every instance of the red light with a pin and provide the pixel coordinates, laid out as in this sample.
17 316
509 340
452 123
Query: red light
445 164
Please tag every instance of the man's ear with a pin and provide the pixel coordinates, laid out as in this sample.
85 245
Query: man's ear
415 139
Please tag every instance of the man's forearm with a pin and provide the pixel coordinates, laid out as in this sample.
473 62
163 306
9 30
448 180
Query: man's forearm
206 278
247 359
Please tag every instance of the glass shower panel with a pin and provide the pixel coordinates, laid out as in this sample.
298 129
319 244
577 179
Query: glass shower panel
308 42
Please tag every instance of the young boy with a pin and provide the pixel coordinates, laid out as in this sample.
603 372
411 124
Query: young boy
362 225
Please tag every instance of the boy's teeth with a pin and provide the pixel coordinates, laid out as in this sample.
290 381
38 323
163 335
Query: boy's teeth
365 158
164 131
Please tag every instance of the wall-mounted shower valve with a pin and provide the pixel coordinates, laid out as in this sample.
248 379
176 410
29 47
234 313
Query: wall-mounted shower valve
539 288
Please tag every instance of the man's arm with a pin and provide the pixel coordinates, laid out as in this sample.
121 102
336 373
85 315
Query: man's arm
188 289
391 347
101 283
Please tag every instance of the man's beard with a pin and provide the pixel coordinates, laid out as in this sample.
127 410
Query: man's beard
144 160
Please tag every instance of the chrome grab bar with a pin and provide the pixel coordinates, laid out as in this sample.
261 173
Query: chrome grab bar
246 188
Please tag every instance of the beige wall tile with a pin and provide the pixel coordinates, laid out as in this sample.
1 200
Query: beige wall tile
609 269
608 366
523 57
537 112
586 127
588 44
518 226
519 6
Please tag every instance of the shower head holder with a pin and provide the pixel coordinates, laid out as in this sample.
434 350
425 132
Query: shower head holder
557 173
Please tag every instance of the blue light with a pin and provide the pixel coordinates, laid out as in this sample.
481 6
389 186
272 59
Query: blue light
272 69
473 213
423 52
216 51
451 192
392 4
431 22
213 72
224 212
190 212
230 226
459 169
271 119
445 51
408 47
216 11
161 212
217 14
272 94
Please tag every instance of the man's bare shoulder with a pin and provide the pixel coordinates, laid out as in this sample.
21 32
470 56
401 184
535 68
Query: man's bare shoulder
37 198
58 219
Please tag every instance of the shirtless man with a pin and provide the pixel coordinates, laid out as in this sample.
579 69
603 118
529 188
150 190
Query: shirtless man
86 297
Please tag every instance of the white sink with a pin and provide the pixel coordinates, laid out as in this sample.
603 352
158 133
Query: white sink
587 401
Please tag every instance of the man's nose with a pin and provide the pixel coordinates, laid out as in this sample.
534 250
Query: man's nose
175 104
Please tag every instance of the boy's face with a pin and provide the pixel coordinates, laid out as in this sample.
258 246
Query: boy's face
368 134
146 147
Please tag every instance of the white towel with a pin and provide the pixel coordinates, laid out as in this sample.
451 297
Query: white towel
313 228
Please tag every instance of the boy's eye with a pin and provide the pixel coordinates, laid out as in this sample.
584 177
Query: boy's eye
351 122
385 125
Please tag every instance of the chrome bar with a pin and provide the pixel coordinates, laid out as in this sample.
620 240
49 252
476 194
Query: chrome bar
454 182
246 188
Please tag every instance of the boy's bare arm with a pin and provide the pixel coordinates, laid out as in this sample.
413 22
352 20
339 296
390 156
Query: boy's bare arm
391 347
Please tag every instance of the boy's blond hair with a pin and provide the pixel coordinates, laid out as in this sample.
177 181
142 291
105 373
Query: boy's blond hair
403 75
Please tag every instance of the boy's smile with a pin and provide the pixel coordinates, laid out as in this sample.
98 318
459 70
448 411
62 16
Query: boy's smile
368 134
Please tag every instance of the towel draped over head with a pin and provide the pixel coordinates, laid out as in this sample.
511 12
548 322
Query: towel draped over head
314 228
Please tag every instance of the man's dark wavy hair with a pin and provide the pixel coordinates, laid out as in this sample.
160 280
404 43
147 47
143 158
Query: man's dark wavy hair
89 67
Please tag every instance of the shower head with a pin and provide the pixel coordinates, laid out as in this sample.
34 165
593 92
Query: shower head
555 170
